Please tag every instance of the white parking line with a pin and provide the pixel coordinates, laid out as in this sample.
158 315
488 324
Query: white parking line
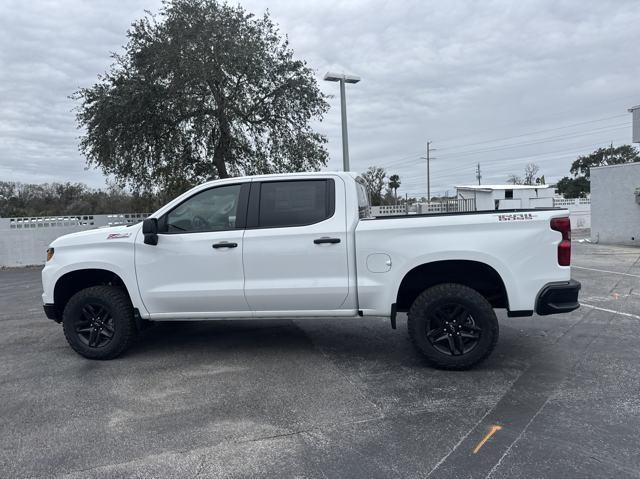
606 271
629 315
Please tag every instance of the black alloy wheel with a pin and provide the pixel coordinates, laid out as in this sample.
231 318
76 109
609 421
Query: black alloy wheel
98 322
95 327
453 326
452 330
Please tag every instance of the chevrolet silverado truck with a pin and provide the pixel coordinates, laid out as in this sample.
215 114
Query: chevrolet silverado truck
305 245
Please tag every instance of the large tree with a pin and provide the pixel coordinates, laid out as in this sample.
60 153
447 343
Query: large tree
374 179
580 184
603 157
578 187
202 90
529 177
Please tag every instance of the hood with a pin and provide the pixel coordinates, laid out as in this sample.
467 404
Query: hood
113 233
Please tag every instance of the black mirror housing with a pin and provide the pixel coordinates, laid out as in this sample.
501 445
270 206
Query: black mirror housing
150 231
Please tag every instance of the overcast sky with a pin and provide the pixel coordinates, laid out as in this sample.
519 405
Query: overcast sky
502 83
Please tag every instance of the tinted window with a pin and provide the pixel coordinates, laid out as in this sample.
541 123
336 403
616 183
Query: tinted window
294 203
210 210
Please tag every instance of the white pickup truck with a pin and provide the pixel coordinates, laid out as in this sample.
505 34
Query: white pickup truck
304 245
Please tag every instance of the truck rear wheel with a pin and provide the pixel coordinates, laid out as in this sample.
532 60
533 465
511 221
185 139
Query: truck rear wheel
453 326
98 322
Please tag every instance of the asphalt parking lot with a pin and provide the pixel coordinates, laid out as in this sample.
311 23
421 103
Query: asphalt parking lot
328 398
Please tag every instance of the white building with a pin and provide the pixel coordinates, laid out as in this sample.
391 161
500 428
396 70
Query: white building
615 204
507 197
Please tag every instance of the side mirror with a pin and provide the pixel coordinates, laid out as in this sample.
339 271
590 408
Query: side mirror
150 231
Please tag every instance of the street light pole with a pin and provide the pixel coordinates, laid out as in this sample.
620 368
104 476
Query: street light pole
345 134
428 173
342 78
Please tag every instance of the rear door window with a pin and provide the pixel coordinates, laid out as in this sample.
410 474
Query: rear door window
295 203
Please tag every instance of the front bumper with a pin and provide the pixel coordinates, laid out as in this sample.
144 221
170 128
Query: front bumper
557 298
51 312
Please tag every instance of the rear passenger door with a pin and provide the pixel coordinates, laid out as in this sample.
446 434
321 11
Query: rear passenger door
295 247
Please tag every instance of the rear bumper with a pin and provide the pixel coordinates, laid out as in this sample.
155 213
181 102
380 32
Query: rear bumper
557 298
51 312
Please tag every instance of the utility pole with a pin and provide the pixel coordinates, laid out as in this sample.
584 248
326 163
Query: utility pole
611 152
478 174
635 123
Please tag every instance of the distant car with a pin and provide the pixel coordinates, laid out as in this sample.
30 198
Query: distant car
304 245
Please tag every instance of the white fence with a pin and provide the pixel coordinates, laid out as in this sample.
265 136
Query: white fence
579 211
392 210
565 202
445 206
24 241
454 205
95 221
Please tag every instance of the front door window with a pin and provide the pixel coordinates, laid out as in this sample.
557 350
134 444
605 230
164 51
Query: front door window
214 209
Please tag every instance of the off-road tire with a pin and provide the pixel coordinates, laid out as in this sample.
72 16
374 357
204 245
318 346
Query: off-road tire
120 310
478 307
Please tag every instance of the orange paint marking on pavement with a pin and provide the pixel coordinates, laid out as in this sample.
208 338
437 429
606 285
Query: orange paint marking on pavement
495 428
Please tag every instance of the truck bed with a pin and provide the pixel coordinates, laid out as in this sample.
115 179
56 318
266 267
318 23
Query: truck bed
457 213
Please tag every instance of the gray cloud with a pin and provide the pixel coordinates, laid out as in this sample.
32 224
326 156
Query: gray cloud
456 73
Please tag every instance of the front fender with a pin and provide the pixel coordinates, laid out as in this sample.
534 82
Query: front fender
117 258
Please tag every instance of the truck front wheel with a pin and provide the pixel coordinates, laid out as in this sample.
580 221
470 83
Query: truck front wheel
453 326
98 322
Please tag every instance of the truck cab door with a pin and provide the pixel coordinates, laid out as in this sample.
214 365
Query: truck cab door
295 247
195 270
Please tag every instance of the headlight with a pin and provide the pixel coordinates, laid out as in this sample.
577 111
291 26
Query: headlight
49 254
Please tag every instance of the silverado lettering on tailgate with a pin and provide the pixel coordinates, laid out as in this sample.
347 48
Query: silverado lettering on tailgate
516 217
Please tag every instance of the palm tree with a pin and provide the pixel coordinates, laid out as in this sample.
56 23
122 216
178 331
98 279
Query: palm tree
394 184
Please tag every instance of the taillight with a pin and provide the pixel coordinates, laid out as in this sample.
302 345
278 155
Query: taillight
563 225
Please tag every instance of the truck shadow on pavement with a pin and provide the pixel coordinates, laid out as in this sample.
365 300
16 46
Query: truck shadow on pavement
351 343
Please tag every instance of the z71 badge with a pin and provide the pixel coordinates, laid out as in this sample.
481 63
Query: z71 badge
516 217
118 235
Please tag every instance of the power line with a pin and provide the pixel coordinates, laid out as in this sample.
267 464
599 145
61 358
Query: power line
534 132
409 157
416 155
543 158
571 152
540 141
545 118
552 155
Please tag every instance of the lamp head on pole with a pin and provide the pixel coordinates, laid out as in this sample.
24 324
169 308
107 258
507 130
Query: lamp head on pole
329 76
